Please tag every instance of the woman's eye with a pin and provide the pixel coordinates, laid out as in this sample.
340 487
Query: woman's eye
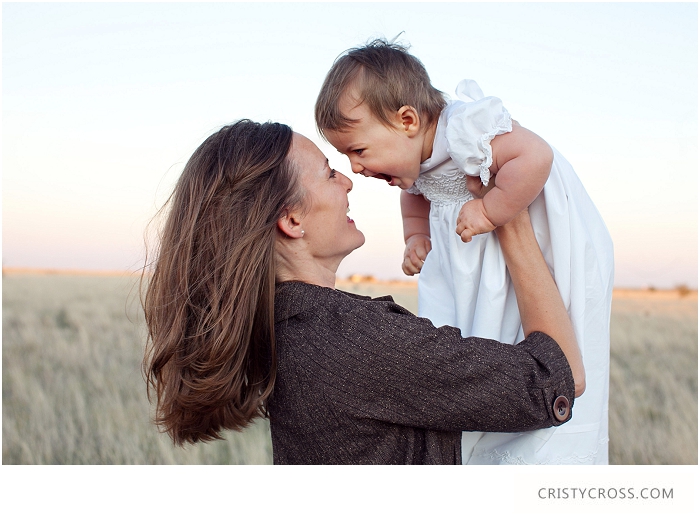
333 171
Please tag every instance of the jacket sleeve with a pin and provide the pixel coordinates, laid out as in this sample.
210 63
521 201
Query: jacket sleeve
374 359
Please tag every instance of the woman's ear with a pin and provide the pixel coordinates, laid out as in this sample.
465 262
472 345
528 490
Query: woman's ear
290 225
407 117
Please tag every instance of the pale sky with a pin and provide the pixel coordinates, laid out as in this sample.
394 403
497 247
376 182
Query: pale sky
104 103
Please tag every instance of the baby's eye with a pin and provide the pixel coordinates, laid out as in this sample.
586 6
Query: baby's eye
358 152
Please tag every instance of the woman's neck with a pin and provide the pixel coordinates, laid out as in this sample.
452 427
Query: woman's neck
310 272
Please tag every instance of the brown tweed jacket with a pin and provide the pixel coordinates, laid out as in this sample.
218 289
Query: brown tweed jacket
364 381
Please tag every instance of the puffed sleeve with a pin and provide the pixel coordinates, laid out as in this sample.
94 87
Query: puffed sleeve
471 127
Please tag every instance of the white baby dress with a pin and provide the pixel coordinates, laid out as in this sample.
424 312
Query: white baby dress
466 285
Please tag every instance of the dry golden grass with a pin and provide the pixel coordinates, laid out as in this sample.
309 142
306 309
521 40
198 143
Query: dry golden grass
73 391
654 378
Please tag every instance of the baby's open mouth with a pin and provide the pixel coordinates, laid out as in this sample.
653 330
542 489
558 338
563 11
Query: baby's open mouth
384 177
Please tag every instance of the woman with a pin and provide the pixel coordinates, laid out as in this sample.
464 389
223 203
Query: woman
244 321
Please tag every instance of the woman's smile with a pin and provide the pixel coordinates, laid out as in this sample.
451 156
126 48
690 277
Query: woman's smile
326 235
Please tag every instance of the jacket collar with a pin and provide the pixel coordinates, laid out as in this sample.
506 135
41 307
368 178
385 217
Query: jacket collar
293 298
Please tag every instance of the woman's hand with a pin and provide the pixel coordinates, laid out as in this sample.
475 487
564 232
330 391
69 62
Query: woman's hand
417 248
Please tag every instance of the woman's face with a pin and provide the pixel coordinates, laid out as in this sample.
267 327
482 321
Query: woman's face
329 234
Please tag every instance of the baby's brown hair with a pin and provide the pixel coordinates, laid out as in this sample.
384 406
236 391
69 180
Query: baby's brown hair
387 77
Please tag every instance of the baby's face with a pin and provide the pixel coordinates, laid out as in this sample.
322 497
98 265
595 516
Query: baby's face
392 154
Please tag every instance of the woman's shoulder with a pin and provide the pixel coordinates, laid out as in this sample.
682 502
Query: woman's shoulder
295 298
319 322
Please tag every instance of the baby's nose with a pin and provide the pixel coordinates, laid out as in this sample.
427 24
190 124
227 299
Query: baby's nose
357 168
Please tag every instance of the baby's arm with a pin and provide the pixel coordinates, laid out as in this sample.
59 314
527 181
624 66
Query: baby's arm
521 165
521 162
415 211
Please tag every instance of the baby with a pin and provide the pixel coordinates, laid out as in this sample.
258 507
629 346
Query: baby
378 107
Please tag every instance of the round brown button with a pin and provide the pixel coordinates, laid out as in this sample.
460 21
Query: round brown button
561 408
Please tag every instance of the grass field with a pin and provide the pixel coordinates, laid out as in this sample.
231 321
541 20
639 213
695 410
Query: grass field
72 390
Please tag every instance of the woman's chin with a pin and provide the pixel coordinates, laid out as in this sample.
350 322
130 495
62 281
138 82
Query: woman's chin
357 242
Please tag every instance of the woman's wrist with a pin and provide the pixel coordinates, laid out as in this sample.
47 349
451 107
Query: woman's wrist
515 232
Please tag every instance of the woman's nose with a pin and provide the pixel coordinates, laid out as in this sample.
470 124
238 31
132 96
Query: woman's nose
348 182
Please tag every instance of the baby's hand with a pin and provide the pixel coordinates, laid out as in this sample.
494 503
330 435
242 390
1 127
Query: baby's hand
472 220
417 248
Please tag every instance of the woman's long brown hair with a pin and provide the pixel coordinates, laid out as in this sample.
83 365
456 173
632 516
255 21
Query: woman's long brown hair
209 304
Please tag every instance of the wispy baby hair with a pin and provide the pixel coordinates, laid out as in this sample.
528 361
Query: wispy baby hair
209 304
386 77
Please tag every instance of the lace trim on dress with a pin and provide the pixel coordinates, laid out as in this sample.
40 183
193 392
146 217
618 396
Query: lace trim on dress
444 189
505 125
572 459
414 190
469 92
